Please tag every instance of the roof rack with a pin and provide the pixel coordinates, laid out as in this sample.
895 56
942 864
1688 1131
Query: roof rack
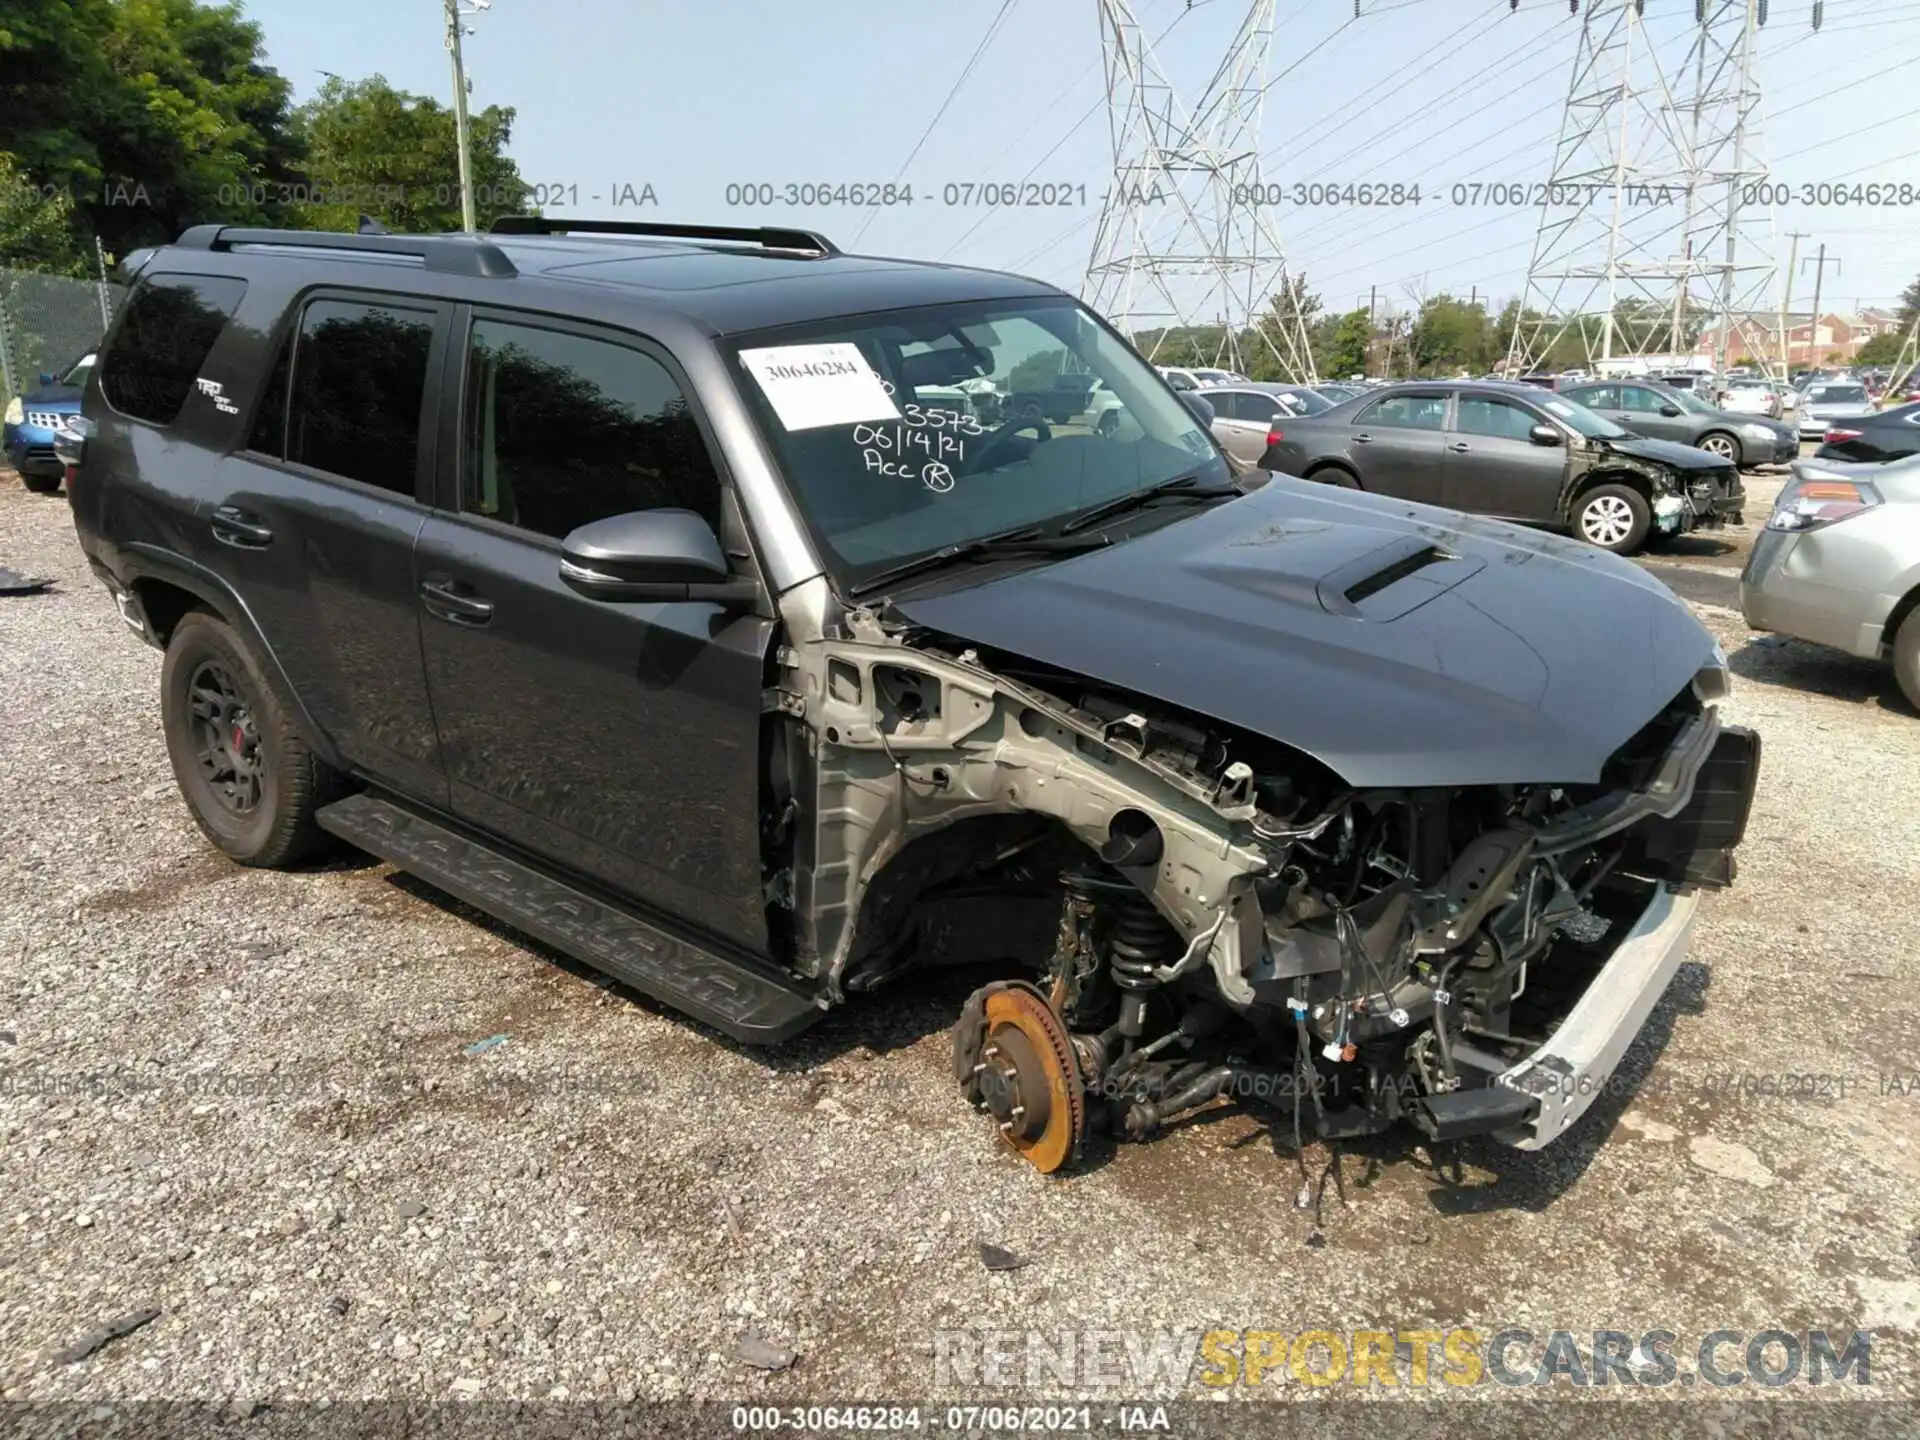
767 237
455 254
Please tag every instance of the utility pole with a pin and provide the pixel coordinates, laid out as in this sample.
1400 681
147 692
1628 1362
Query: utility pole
1786 306
1819 273
463 142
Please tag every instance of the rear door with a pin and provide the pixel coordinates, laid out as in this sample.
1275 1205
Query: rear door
1242 420
1399 445
313 521
617 739
1494 467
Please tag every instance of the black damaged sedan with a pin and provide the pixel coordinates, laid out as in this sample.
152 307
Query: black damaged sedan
1513 453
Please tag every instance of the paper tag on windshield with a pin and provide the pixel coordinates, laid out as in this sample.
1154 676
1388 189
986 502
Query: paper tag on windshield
815 385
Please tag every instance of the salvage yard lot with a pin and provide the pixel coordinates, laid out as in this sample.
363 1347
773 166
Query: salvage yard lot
247 1100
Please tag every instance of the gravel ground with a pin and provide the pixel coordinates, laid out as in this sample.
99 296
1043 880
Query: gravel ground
273 1133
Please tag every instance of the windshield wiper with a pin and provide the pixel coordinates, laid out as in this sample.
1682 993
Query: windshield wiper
1026 540
1182 487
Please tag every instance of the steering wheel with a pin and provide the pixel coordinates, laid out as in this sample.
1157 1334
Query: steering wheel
1001 435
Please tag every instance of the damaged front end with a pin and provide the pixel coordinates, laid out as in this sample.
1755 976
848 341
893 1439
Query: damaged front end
1184 911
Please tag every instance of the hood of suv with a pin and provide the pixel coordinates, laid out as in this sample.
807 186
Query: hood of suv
1398 644
1670 452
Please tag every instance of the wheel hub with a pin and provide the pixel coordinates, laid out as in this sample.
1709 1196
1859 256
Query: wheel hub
1012 1054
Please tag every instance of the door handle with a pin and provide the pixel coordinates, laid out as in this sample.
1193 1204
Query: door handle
450 600
1363 439
1459 447
240 528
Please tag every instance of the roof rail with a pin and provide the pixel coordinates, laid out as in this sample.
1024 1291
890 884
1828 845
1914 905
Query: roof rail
455 254
767 237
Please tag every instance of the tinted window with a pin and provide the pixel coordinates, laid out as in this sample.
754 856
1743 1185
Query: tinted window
563 430
1838 394
1408 412
1639 398
1244 405
170 326
359 375
1483 415
1597 397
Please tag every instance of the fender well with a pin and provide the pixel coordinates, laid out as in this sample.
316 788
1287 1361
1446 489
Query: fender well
168 586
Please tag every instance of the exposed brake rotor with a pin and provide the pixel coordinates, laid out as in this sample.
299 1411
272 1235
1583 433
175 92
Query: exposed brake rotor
1012 1055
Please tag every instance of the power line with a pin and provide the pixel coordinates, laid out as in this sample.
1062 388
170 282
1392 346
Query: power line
972 61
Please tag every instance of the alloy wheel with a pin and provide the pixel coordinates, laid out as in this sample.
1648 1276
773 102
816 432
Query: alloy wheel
1606 520
226 739
1718 445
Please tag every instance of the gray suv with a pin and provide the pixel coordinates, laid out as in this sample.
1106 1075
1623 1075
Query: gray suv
657 590
1660 412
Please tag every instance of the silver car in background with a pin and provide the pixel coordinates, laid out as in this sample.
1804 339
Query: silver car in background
1825 401
1839 563
1246 416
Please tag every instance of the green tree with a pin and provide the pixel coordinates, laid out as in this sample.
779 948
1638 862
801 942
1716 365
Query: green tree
1341 344
151 115
1909 306
37 229
1036 371
1449 334
376 150
1882 349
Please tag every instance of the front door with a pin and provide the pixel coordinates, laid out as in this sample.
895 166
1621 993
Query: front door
1398 446
1494 467
1641 412
617 739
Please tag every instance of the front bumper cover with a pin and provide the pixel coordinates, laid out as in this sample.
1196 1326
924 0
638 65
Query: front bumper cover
1573 1069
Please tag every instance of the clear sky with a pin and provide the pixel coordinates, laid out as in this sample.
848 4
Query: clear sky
691 96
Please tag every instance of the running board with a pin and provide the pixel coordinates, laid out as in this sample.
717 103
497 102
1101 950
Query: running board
750 1004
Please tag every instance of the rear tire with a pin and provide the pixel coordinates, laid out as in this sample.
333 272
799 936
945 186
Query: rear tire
1613 517
41 484
249 778
1906 658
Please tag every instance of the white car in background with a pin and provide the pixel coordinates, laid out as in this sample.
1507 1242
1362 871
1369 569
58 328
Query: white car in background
1828 400
1751 397
1188 378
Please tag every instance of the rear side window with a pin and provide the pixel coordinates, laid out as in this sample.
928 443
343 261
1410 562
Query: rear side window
170 325
345 397
1408 412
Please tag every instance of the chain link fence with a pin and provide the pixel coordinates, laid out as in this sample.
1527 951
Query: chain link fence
46 323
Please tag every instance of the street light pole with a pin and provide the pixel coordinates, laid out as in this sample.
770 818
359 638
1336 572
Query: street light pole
462 140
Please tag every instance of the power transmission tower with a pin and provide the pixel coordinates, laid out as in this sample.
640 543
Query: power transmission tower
1651 221
1180 234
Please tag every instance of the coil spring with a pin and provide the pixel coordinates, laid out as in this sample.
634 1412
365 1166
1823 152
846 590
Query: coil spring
1142 942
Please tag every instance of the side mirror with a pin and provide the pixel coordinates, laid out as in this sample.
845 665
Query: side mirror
1544 435
650 555
1670 411
1202 410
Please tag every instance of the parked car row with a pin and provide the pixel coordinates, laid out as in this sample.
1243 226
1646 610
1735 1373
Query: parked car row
1515 453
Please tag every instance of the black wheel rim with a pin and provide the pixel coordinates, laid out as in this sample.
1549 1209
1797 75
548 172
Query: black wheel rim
225 739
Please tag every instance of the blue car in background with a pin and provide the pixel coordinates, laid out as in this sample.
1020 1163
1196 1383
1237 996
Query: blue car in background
31 419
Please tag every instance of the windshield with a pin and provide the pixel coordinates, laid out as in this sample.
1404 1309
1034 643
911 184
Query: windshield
909 431
1307 402
1687 401
1838 394
77 372
1580 419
